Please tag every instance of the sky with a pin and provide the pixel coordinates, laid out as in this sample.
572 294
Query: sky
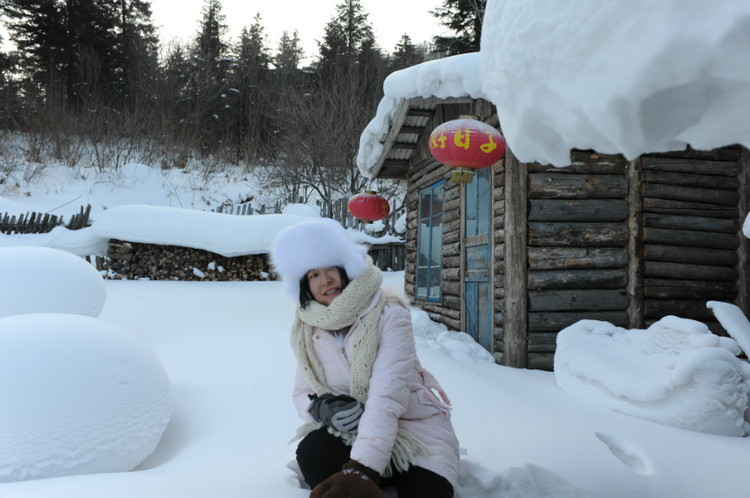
390 19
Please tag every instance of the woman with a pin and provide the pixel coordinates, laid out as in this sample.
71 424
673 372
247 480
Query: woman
371 415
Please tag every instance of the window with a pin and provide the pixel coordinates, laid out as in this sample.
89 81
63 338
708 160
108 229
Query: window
430 243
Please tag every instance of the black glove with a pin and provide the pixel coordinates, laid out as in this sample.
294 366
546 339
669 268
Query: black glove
341 412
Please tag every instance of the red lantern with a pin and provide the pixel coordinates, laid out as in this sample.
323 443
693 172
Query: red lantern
368 206
466 144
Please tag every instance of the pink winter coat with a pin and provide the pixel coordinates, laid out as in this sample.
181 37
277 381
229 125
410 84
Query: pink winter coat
398 395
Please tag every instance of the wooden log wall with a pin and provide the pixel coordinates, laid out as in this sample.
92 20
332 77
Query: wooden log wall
577 248
692 219
498 255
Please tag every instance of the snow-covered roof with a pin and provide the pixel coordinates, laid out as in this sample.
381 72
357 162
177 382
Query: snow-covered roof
622 76
456 76
626 77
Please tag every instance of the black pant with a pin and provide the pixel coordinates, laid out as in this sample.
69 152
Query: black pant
320 455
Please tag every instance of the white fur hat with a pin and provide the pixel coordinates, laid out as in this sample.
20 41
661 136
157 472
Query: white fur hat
315 244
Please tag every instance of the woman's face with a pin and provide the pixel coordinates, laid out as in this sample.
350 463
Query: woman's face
325 284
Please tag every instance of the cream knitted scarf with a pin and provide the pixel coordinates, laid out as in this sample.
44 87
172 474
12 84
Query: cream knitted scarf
342 312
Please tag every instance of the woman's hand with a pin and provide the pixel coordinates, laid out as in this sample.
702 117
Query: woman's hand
341 412
353 481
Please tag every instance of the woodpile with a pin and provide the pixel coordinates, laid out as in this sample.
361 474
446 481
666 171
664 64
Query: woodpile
134 261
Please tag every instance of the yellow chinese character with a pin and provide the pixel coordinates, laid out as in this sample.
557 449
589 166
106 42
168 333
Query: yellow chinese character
487 148
462 139
441 139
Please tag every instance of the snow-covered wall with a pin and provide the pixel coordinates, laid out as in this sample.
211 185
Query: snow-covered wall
617 76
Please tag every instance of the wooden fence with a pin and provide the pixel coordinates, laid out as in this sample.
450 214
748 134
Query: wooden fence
340 213
34 222
247 209
388 256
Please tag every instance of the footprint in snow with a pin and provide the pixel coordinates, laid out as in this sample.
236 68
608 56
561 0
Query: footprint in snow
628 453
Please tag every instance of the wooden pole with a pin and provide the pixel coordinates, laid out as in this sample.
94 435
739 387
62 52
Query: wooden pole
744 249
516 332
635 245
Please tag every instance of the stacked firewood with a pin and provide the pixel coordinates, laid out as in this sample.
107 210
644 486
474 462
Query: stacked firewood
133 261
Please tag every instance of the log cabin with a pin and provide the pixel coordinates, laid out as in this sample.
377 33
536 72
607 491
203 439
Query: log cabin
526 249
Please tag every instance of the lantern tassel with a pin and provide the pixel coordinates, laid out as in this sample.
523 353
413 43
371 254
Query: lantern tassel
462 175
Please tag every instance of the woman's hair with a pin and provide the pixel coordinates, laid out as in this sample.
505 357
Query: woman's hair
305 294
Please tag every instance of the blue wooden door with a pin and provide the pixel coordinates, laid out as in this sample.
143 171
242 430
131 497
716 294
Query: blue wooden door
478 260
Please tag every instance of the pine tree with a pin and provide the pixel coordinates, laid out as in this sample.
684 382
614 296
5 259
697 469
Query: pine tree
250 91
77 53
464 18
207 79
39 32
289 54
348 43
320 126
136 52
10 104
406 54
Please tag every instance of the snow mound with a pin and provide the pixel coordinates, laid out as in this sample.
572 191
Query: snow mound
301 210
527 481
46 280
225 234
82 242
626 77
675 373
433 335
734 321
79 396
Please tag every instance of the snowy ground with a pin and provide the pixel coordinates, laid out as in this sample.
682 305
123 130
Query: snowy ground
225 349
524 433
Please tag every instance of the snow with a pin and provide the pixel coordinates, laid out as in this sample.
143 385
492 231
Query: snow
676 373
746 227
80 396
224 348
625 77
648 421
81 242
44 280
456 76
734 322
225 234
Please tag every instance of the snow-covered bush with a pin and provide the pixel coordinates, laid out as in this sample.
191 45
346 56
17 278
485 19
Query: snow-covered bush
45 280
79 396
